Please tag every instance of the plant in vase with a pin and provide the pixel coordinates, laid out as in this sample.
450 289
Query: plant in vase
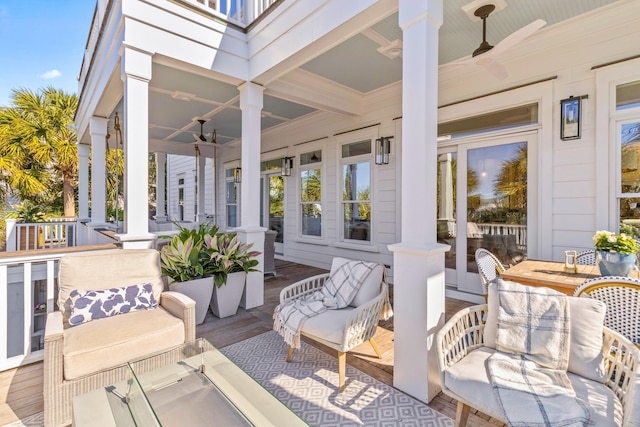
187 263
615 254
231 261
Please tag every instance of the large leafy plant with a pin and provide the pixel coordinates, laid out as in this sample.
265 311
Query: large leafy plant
607 241
228 255
28 212
185 257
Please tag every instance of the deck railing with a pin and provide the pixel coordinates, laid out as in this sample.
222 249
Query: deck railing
28 291
56 233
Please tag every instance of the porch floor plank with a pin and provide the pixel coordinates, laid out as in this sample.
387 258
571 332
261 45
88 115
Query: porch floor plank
21 388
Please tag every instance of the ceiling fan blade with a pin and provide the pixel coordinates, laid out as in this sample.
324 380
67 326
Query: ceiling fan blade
496 69
516 37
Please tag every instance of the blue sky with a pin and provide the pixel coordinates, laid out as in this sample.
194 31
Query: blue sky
42 44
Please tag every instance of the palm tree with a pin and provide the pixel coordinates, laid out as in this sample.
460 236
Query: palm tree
38 145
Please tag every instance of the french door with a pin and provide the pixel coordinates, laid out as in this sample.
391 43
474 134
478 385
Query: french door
272 206
484 201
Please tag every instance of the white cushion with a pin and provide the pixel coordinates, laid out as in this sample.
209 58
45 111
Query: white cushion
468 379
586 319
329 325
370 287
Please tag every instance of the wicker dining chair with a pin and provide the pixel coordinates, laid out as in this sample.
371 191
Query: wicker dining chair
587 257
622 297
489 268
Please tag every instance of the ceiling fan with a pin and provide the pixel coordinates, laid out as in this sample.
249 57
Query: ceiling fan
485 54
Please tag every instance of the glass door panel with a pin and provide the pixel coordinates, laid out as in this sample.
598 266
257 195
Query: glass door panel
446 209
273 186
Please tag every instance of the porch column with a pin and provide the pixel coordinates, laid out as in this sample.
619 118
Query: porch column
161 210
250 231
200 188
83 181
136 73
418 260
98 130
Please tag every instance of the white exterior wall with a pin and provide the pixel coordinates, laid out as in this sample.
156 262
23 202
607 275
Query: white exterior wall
177 165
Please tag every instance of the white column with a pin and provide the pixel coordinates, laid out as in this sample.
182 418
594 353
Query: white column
136 73
418 261
200 215
98 130
161 210
83 181
251 99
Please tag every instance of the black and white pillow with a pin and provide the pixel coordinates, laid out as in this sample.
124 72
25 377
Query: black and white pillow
92 305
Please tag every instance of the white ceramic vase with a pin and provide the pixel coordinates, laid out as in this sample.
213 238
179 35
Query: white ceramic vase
226 299
200 291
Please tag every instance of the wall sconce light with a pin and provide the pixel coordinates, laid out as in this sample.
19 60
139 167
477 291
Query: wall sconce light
237 175
287 165
383 149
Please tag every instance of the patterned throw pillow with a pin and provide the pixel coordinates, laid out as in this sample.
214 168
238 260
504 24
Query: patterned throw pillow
93 305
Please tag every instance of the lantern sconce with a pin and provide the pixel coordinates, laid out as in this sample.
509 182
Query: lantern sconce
383 149
570 262
287 165
237 175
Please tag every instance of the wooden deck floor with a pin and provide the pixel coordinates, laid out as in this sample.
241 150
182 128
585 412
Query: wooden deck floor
21 388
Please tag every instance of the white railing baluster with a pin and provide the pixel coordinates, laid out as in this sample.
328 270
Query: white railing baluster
4 327
28 308
51 277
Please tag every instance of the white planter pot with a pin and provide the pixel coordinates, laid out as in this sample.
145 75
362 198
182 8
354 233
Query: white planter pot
200 291
226 299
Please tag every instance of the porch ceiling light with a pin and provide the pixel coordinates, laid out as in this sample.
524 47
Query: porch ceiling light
287 165
383 149
237 175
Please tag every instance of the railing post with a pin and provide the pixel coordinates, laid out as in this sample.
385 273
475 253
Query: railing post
10 238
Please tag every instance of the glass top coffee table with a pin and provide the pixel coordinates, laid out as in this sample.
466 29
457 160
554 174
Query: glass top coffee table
197 386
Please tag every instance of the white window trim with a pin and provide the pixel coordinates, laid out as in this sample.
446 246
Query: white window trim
297 169
345 139
606 154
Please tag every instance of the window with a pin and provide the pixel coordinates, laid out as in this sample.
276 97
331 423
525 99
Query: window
311 193
231 199
181 199
629 190
356 190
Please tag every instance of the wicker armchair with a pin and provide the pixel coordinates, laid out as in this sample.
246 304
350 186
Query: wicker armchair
81 358
622 297
354 325
463 335
587 257
489 267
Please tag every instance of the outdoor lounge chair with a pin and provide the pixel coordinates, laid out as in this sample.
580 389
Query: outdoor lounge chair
587 257
346 328
83 357
489 267
465 343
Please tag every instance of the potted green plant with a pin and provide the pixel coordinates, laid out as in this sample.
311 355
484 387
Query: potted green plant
615 254
188 265
231 261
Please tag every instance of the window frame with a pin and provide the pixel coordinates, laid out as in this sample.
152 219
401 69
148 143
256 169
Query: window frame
227 179
298 169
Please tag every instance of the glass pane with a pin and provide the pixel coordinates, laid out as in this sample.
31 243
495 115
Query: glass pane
497 202
357 220
228 173
310 157
310 185
232 217
628 95
630 217
630 146
357 179
312 219
276 205
270 165
232 192
447 205
356 148
519 116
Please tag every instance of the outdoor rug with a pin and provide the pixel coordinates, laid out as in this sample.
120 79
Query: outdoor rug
308 385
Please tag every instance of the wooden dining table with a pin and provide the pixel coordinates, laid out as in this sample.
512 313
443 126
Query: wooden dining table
551 274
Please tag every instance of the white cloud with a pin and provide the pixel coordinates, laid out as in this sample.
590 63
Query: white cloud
51 74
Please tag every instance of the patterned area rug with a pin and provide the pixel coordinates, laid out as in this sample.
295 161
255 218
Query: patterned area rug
308 385
36 420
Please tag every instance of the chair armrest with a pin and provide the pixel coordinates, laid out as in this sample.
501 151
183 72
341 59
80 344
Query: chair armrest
303 287
461 334
363 322
622 363
182 307
53 355
54 329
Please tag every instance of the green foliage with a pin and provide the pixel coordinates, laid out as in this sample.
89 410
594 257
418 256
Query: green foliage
229 255
607 241
185 257
28 212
